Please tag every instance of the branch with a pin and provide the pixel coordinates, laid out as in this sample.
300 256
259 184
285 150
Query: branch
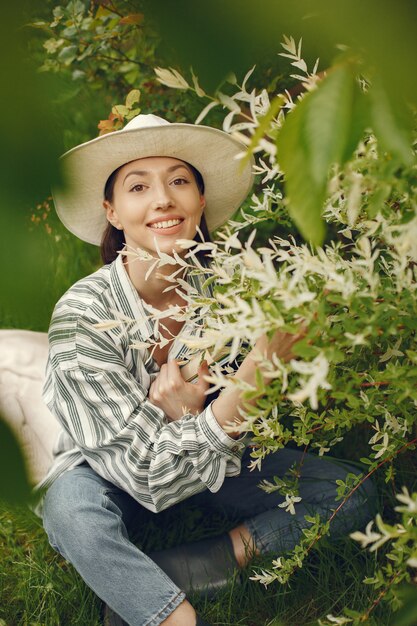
319 536
365 616
389 458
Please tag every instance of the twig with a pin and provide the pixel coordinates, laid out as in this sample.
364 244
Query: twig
375 603
380 383
389 458
319 536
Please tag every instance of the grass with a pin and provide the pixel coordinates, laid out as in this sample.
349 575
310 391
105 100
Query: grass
37 587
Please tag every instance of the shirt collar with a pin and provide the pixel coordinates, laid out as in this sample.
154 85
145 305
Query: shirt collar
130 305
128 301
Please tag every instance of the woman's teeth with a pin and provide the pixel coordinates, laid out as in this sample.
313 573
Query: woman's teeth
166 224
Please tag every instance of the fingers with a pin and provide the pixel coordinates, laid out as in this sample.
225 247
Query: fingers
203 371
176 397
280 344
169 379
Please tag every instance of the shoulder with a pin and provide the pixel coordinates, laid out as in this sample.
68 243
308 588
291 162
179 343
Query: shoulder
82 295
87 303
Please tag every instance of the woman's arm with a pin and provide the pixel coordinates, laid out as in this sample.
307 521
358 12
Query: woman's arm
173 394
226 407
104 408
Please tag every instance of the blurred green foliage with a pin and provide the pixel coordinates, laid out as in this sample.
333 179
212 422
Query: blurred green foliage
217 37
14 482
92 54
407 614
29 150
377 42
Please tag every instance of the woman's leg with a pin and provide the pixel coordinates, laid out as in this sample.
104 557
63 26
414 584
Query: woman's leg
85 518
207 564
268 527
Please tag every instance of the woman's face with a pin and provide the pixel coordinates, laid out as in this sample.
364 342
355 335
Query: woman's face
155 198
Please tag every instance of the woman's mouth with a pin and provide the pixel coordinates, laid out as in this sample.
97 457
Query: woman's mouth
166 226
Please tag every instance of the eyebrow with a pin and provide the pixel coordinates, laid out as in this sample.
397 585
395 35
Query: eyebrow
170 169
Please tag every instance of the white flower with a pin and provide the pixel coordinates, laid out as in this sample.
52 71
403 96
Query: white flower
204 112
231 240
323 450
409 501
357 340
313 378
412 561
275 368
137 254
338 620
228 102
289 503
367 538
265 577
171 78
375 538
186 244
383 445
199 91
354 200
109 324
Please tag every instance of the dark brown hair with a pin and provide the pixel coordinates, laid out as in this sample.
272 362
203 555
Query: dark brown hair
113 239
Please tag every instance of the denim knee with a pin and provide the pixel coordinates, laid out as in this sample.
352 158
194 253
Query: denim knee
276 530
68 510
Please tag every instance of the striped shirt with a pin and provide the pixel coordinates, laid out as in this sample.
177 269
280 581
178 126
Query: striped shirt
97 387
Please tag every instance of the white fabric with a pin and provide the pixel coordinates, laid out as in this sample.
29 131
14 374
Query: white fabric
23 356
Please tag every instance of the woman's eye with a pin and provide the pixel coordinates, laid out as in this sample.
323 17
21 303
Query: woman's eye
137 187
180 181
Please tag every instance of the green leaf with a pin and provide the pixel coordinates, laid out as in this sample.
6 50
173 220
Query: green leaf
132 97
323 129
14 484
77 7
260 385
67 55
392 123
305 198
360 120
327 125
407 614
304 350
120 109
378 198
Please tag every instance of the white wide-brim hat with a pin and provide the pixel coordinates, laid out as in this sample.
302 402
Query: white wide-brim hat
87 167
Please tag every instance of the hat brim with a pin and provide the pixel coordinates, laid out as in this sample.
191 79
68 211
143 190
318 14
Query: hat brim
87 167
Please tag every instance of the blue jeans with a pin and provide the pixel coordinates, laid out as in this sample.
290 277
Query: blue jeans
89 520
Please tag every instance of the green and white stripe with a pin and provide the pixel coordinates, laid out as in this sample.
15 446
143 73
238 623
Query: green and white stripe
97 388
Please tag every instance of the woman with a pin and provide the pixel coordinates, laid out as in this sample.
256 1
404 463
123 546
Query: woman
136 435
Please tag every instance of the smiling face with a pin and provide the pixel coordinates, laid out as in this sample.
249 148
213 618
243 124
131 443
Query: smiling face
155 198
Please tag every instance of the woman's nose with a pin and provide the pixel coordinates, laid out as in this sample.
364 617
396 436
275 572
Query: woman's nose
162 198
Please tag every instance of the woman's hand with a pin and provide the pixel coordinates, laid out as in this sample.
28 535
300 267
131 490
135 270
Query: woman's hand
227 407
280 344
171 393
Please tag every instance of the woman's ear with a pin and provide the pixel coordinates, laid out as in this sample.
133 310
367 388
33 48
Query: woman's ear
202 202
111 215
